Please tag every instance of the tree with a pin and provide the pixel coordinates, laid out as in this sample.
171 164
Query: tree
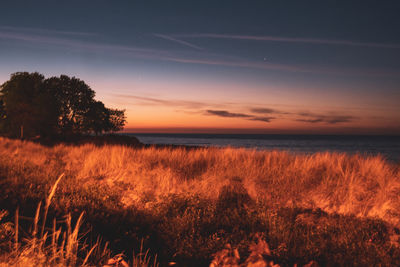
116 121
74 99
79 111
64 106
101 119
2 115
28 110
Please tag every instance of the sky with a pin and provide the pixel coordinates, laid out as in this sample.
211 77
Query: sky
308 67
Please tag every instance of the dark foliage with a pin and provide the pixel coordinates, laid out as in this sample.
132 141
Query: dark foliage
34 107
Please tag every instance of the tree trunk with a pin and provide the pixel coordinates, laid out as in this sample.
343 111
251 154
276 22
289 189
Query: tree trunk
22 132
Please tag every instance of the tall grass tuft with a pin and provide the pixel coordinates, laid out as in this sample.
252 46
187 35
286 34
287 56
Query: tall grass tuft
62 246
55 248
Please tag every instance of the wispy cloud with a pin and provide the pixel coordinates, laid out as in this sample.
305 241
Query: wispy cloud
327 118
289 40
45 31
223 110
264 119
304 116
308 117
164 102
78 44
227 114
169 38
282 67
192 107
267 111
263 110
248 64
184 57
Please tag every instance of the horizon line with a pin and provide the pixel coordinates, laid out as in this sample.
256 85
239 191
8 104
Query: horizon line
322 131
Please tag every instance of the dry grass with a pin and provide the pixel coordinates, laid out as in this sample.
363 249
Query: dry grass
47 248
358 185
61 246
187 204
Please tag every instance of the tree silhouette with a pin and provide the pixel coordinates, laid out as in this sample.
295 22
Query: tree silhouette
74 99
31 105
28 109
116 121
99 119
2 115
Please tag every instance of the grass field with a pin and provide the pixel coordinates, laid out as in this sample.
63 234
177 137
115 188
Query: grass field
185 205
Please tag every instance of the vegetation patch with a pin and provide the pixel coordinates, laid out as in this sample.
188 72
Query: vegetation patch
229 212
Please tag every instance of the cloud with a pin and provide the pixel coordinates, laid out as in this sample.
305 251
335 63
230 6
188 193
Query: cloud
307 117
290 40
227 114
188 107
253 65
281 67
45 31
165 102
264 119
169 38
145 53
320 118
211 109
263 110
310 120
267 111
194 57
339 119
82 45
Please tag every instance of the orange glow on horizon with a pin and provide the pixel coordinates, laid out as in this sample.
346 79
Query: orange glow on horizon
180 104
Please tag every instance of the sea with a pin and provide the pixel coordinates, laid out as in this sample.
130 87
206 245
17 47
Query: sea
386 146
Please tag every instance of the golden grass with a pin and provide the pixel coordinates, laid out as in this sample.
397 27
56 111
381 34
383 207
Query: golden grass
346 184
60 246
176 191
56 248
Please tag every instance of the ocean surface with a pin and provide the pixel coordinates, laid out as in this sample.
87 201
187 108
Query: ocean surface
387 146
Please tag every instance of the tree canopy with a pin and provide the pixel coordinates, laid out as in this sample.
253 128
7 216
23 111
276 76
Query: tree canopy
32 106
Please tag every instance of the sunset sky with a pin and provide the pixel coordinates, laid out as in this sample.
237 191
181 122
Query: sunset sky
219 66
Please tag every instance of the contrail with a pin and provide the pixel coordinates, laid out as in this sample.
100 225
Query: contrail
289 40
180 57
169 38
45 31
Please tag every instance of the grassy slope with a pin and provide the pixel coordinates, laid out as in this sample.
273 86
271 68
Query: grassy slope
187 204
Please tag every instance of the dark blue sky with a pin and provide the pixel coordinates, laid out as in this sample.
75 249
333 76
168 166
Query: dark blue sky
321 58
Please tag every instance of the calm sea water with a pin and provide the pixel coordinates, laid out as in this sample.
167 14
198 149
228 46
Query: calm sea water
388 146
